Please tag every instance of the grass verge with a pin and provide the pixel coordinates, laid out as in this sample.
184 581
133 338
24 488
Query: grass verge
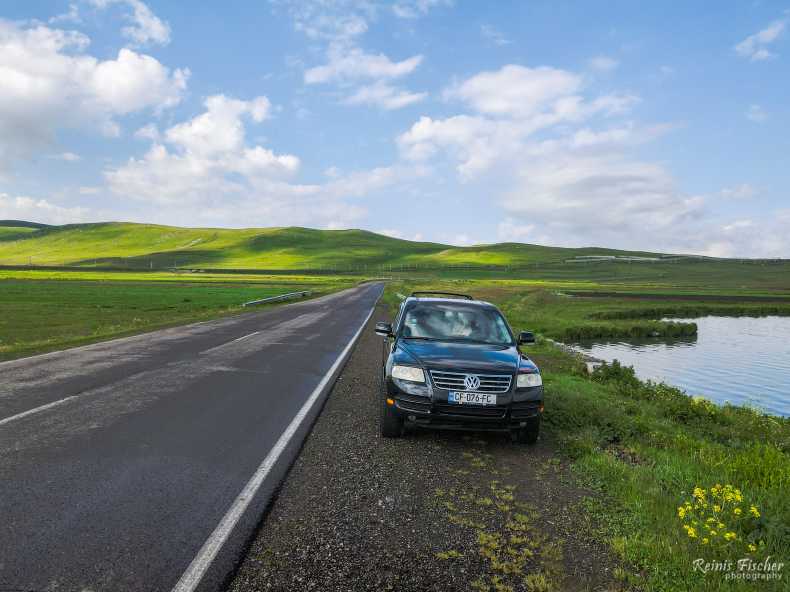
47 314
659 459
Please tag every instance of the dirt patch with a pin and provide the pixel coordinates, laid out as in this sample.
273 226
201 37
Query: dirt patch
431 511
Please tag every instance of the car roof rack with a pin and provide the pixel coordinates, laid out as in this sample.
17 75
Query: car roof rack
435 293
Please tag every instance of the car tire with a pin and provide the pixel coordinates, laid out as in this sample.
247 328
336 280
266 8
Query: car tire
391 422
529 433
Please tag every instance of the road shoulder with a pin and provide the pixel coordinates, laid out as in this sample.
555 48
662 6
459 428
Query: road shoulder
434 510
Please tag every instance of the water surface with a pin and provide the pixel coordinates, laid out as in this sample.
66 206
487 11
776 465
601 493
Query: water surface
743 360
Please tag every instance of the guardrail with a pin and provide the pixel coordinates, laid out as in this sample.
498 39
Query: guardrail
287 296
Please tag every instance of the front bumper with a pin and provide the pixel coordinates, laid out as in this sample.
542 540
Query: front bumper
516 409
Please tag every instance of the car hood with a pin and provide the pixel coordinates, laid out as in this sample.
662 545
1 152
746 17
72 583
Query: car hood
473 357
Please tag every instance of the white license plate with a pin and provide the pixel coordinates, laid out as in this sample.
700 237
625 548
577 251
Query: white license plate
469 398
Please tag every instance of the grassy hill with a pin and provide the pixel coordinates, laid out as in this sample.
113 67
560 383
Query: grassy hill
149 245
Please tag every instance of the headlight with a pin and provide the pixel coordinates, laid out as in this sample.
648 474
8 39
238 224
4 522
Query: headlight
528 380
408 373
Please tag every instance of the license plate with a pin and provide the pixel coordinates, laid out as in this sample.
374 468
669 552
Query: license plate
469 398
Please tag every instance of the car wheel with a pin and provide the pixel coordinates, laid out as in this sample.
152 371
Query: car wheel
391 422
529 433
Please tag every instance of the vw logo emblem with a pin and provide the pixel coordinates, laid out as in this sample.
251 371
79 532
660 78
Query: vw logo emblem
472 382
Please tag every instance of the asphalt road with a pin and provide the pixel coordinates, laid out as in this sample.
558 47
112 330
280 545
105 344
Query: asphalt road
146 463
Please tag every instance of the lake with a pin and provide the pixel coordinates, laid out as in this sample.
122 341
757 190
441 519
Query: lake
743 360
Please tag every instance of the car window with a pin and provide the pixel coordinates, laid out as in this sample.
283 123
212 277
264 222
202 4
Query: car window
455 322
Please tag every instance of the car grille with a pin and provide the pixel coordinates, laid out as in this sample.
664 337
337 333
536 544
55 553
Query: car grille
454 381
470 411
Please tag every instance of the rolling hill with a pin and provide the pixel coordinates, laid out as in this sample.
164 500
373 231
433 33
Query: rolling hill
155 246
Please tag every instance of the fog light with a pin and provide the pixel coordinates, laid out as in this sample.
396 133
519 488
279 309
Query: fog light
390 401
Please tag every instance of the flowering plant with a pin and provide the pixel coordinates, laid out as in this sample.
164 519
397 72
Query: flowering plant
720 518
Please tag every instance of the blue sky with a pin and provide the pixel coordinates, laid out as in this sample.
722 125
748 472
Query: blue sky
654 126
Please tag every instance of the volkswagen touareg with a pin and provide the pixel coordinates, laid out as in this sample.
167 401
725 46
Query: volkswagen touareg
451 361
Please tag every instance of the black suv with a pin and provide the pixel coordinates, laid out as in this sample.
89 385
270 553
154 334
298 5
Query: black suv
452 362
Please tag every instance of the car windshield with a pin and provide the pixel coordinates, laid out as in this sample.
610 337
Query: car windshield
456 322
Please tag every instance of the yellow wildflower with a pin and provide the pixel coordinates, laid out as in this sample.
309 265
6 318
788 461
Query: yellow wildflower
730 536
681 512
737 511
705 540
752 548
692 532
717 508
754 511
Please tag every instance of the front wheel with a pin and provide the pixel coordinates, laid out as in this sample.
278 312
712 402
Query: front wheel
529 433
391 422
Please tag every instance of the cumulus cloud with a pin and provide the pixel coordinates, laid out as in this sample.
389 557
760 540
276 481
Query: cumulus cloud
205 155
145 27
50 83
39 210
562 163
205 171
518 91
510 105
756 47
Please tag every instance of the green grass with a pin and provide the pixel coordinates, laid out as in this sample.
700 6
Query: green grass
148 246
43 315
644 447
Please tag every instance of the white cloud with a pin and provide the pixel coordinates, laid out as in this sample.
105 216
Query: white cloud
494 35
756 114
515 90
512 103
755 47
204 171
364 77
546 152
39 210
411 9
385 96
353 63
70 16
146 28
742 191
208 155
603 63
50 83
68 157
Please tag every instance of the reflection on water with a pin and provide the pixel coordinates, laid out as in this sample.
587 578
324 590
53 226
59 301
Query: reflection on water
743 360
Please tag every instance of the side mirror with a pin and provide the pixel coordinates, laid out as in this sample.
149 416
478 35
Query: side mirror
384 329
526 337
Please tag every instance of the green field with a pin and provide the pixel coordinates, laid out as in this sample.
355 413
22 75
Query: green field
643 447
41 315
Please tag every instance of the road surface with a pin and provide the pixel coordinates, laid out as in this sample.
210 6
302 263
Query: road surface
146 463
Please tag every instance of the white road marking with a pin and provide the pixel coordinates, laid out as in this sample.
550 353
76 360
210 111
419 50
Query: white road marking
211 349
36 410
208 552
